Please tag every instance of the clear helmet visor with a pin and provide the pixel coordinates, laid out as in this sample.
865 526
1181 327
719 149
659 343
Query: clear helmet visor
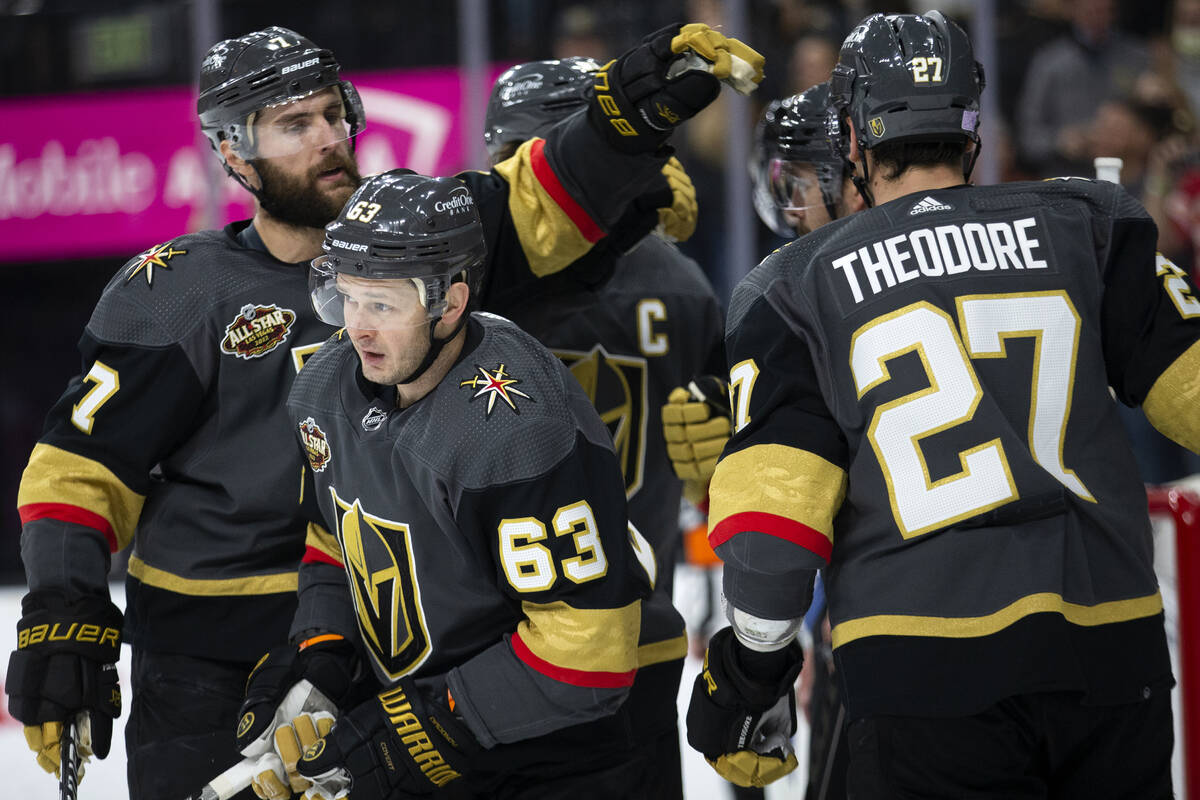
311 121
801 185
349 301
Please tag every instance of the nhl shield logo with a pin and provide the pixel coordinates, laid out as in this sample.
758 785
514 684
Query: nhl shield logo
876 125
257 330
374 418
316 446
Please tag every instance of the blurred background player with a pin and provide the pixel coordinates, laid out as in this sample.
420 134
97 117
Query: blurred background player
215 543
872 332
497 583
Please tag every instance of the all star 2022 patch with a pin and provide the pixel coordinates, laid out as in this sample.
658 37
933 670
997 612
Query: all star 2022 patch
257 330
316 446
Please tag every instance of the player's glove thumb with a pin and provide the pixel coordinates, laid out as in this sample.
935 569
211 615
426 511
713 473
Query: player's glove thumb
728 59
696 426
637 100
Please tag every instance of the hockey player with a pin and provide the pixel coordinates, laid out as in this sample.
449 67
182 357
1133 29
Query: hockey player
800 184
800 178
175 430
631 319
480 508
922 407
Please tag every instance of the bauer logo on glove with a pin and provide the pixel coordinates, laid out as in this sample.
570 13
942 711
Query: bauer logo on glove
639 98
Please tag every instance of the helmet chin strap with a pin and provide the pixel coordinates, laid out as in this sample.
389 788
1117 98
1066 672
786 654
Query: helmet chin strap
862 182
435 349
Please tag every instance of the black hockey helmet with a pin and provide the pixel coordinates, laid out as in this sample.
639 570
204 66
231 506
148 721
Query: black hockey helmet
400 225
529 98
793 143
908 77
240 77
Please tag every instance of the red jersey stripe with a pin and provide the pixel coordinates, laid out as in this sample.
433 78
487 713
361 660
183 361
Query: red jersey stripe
550 183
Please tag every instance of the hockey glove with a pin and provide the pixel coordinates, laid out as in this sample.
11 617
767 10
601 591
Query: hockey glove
64 669
677 221
290 691
641 97
696 425
397 744
743 727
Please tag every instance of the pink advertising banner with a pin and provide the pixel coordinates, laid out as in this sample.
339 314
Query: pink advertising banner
111 174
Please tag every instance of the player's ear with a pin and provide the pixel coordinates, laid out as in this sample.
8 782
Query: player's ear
855 154
238 164
458 295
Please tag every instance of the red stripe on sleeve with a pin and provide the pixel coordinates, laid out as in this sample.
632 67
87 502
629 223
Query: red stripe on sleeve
314 556
773 525
68 513
575 677
549 181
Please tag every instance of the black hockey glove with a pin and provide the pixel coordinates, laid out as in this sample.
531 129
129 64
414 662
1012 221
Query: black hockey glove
397 744
64 670
292 697
743 727
639 98
696 425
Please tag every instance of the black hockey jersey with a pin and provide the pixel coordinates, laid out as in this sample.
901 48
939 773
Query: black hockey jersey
482 531
176 426
921 402
176 430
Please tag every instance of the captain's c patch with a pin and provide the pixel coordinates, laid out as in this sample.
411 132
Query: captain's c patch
257 330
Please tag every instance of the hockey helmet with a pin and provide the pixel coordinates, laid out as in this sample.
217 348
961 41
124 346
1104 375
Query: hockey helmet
418 233
795 159
529 98
241 77
908 77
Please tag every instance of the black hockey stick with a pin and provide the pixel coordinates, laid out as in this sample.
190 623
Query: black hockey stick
228 783
68 764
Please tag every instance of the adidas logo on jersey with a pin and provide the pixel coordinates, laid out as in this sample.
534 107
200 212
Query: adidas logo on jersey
927 205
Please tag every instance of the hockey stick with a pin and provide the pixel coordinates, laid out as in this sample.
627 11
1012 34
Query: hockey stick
68 769
228 783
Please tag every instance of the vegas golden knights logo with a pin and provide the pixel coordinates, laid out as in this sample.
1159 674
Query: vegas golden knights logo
387 599
616 385
257 330
877 126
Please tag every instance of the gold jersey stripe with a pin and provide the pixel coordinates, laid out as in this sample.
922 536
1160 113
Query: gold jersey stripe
659 652
1171 403
549 237
967 627
323 541
212 587
779 480
57 476
585 639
